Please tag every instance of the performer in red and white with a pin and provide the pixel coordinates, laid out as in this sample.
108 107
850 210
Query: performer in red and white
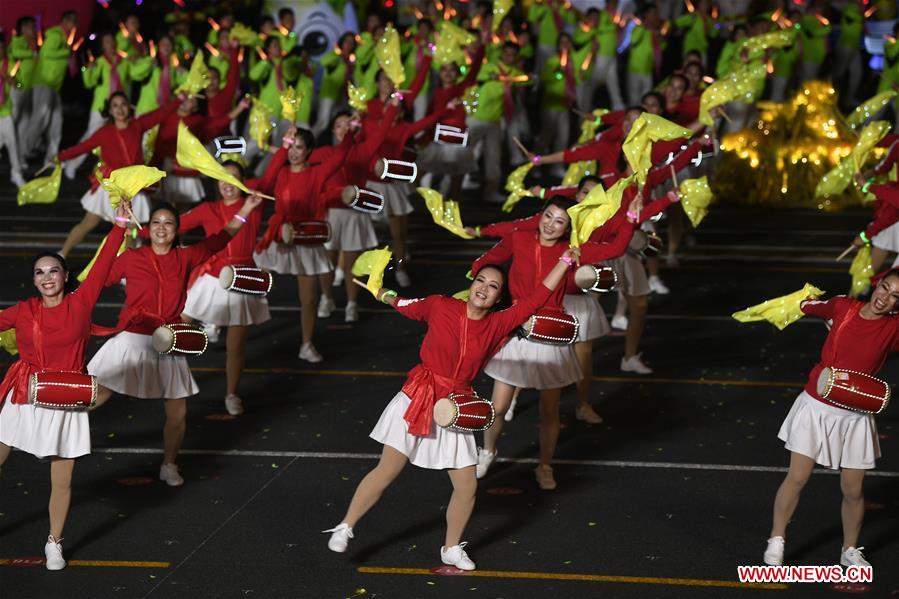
461 338
52 332
882 233
861 336
529 364
120 145
156 279
207 301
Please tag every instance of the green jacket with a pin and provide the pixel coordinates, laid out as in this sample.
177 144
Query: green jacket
265 72
641 59
124 43
490 93
96 76
552 80
334 74
851 24
542 16
288 40
696 37
599 41
148 71
814 39
728 59
53 59
890 75
6 106
305 88
20 50
785 61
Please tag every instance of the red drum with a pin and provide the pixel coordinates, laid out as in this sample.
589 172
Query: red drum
464 412
400 170
62 390
363 200
645 243
308 232
450 136
180 338
852 390
596 277
245 279
552 326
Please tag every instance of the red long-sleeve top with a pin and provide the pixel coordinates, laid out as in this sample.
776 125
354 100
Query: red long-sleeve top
398 135
213 217
605 151
120 147
204 127
443 95
299 195
455 348
221 103
687 112
886 208
531 261
375 107
156 284
853 342
55 338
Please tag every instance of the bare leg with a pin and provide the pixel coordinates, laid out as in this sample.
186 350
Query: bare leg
326 281
853 508
175 426
787 497
5 450
878 255
373 485
637 306
79 232
60 493
621 305
103 395
584 352
675 228
549 424
352 290
461 504
235 344
652 265
307 287
502 397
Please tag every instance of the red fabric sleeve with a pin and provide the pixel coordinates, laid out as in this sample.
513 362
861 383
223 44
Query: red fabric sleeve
511 318
8 316
654 207
504 228
87 145
90 289
155 117
821 308
415 309
498 254
886 208
192 219
597 252
599 150
423 72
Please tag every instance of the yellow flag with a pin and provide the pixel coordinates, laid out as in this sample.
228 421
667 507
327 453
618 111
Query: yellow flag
87 269
576 171
444 212
192 154
695 196
739 85
594 210
515 185
387 51
637 147
838 178
290 102
243 34
589 127
42 190
260 123
501 8
451 41
149 143
775 39
357 97
459 295
126 182
780 311
197 78
8 341
861 270
869 108
372 263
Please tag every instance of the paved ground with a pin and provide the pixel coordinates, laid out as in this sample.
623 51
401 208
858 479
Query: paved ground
664 499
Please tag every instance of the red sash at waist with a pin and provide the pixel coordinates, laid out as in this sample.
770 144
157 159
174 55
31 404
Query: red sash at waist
424 387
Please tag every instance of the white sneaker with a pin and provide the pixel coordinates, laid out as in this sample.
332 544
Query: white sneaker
485 459
234 405
510 413
456 556
310 354
338 277
325 307
212 332
774 554
853 556
340 537
169 474
619 322
635 364
351 314
657 285
53 551
402 278
16 178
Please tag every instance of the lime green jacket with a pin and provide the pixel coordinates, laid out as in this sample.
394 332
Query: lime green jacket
96 76
641 59
814 39
490 92
148 71
696 37
20 50
542 16
851 24
53 59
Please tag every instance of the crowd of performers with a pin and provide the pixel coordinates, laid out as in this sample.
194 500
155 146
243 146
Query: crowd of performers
537 74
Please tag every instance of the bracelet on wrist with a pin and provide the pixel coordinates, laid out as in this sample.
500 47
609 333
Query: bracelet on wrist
632 216
121 219
477 231
386 294
567 260
867 185
134 233
242 219
864 237
536 159
542 193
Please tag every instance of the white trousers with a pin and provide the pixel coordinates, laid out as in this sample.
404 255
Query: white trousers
8 141
605 70
637 86
46 119
484 138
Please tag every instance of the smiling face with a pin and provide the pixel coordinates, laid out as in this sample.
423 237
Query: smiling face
628 121
164 46
49 277
107 43
298 152
448 74
230 192
554 223
163 227
584 189
119 108
674 91
652 105
341 126
486 289
885 297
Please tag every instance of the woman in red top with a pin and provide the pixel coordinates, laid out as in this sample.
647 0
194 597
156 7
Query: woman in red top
529 364
156 279
882 233
206 300
298 189
52 332
461 337
815 431
120 145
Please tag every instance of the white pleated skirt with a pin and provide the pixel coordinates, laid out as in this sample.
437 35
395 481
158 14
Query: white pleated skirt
351 230
182 190
446 159
888 239
97 202
304 260
443 448
590 315
532 365
833 437
396 198
129 365
209 303
44 432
